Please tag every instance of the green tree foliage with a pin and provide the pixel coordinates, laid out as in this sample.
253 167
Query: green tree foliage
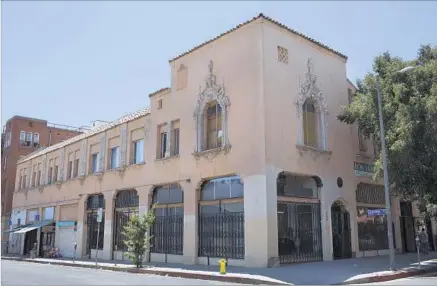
409 102
137 236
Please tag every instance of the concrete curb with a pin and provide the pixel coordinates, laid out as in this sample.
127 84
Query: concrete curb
188 275
389 277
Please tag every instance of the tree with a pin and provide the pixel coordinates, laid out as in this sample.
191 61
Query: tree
409 102
137 236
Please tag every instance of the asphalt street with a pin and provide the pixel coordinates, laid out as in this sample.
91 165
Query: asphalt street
25 273
429 279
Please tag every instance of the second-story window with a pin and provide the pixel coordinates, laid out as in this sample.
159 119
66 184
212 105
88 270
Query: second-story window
76 168
34 177
69 169
309 124
213 126
22 137
114 159
175 142
163 145
24 179
94 163
36 140
50 176
56 174
39 178
138 154
29 139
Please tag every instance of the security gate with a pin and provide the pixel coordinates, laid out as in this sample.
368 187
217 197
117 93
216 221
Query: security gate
299 232
341 231
93 204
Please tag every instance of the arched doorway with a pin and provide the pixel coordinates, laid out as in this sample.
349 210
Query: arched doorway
168 229
341 231
221 218
126 205
95 230
299 227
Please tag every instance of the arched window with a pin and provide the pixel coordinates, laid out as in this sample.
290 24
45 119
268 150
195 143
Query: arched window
95 202
168 228
211 115
213 133
126 205
221 218
309 124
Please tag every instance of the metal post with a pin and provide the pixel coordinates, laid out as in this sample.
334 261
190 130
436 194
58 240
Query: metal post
386 180
98 233
418 249
74 254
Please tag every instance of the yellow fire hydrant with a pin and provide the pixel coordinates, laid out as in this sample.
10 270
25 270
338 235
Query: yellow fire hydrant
223 263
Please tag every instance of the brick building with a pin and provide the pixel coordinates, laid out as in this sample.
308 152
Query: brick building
20 137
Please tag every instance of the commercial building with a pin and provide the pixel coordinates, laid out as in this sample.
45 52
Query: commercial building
243 156
20 137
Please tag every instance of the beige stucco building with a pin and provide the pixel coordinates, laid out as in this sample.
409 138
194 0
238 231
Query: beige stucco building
243 155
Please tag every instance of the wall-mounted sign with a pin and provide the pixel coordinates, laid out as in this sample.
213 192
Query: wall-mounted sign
37 217
364 170
377 212
66 223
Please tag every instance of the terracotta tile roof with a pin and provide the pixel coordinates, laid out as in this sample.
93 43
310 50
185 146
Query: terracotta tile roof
159 91
86 134
261 15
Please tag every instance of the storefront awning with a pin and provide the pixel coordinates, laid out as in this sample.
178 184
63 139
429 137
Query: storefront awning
34 226
16 228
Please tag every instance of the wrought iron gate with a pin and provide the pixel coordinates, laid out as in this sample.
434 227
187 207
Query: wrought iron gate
341 232
93 204
299 232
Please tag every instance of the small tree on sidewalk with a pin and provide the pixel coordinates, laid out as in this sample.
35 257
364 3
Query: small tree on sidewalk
137 236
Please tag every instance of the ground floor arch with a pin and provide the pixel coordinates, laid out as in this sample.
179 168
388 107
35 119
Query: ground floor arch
341 231
95 231
299 218
221 218
126 205
168 229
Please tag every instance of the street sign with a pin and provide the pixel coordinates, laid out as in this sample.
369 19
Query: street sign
9 222
37 217
377 212
99 215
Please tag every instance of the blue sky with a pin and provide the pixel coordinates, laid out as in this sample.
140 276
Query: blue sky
75 62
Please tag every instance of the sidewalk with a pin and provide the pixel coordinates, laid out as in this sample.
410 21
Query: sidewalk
347 271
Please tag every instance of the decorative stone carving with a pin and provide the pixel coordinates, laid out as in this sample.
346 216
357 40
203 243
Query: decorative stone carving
211 92
310 91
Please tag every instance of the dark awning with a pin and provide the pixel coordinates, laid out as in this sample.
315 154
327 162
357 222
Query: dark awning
34 226
16 228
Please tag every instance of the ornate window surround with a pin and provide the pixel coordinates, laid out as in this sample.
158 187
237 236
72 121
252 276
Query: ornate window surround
211 92
310 91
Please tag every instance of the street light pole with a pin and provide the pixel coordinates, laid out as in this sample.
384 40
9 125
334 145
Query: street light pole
386 180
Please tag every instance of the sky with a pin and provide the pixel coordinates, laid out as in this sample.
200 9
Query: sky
75 62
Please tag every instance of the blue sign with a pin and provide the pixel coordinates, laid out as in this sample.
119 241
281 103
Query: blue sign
9 222
66 223
377 212
37 217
